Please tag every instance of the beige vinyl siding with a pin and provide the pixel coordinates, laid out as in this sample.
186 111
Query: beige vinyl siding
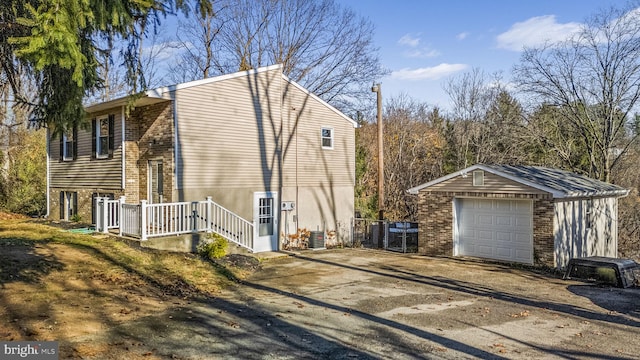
83 172
492 183
314 165
320 207
585 227
234 140
223 138
317 207
227 138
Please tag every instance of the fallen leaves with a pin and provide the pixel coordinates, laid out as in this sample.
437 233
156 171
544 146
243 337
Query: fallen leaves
233 324
499 347
483 311
299 305
524 313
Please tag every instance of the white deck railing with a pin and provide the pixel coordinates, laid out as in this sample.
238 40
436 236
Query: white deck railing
130 224
107 213
230 226
175 218
166 219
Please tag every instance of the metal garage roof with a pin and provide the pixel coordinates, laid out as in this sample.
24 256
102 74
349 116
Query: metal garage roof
562 184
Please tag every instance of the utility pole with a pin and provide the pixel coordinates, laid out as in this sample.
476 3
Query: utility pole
377 88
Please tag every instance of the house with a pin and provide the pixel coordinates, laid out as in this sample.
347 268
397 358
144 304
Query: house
250 140
522 214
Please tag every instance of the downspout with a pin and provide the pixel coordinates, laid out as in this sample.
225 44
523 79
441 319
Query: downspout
122 149
48 176
176 178
281 175
295 129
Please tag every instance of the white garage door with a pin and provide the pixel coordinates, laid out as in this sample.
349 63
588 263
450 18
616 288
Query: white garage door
495 229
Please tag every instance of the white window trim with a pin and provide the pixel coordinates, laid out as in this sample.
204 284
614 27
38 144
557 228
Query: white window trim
322 137
98 121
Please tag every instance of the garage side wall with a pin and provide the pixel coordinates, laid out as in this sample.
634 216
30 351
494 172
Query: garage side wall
585 227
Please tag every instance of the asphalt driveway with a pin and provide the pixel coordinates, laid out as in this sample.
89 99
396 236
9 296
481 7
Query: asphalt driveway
362 304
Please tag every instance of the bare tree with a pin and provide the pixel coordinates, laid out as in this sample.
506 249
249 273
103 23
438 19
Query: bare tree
326 48
593 81
413 149
196 40
472 95
152 57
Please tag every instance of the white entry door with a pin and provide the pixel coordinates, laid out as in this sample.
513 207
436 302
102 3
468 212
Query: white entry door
155 182
265 216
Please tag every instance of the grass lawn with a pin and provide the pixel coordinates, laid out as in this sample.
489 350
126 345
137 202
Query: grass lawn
58 285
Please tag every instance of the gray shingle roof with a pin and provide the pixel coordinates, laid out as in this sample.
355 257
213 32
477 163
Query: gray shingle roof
558 182
569 183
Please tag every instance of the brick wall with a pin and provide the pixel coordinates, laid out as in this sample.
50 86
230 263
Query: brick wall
543 240
131 158
435 224
84 205
435 214
152 127
148 136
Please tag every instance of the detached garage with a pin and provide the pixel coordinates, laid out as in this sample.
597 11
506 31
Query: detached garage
523 214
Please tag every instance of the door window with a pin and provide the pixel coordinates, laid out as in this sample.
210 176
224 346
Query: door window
265 216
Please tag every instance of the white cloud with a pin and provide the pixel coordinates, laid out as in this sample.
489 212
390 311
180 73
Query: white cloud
408 40
414 52
428 73
631 15
535 32
422 53
462 35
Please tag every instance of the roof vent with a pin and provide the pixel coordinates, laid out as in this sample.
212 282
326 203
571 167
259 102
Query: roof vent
478 178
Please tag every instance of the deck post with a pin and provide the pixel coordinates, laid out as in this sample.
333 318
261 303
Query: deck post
105 214
120 214
209 214
194 217
143 220
97 214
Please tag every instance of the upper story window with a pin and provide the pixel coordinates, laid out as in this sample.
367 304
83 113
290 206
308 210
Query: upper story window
327 138
68 145
102 137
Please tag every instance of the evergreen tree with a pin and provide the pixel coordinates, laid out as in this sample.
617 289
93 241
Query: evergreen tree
58 40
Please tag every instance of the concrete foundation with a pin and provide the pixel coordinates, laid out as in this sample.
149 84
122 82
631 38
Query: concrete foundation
180 243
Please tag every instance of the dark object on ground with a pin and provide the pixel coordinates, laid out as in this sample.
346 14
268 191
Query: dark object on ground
241 261
605 270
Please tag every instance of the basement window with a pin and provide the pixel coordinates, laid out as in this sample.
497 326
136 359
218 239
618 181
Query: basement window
478 178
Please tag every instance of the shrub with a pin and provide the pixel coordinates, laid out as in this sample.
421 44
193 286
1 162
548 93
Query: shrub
214 246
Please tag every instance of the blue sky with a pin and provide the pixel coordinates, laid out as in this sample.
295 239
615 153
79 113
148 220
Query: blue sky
423 43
